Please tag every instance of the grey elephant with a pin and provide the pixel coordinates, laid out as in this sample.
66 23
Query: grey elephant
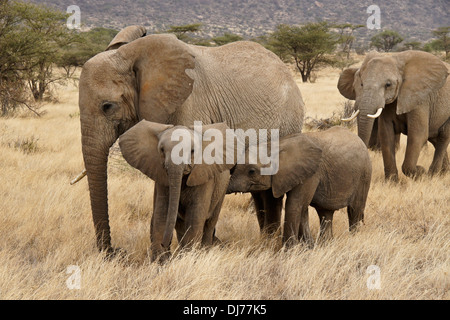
409 93
195 191
327 170
162 79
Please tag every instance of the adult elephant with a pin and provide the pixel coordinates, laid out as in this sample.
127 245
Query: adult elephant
161 79
409 93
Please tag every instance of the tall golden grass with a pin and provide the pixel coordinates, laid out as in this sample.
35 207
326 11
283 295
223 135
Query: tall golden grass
46 227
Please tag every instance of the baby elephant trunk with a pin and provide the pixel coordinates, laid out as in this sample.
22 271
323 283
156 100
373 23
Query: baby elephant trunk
175 173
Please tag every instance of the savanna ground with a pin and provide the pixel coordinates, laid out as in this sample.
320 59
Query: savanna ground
46 227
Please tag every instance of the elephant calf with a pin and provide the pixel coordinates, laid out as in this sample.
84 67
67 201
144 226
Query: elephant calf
188 196
328 170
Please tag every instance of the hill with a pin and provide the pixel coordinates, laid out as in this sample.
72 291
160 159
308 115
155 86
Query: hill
250 18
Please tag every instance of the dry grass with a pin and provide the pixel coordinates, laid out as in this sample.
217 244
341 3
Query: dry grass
45 227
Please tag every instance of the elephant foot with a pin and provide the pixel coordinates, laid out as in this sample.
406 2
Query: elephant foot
436 171
391 176
415 173
160 255
114 253
308 241
216 241
432 172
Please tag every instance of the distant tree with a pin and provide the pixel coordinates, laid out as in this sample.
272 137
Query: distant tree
88 45
46 33
442 41
306 45
412 45
31 37
386 40
226 38
182 31
346 36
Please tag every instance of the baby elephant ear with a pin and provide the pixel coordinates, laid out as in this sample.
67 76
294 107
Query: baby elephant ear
139 146
214 154
299 159
125 36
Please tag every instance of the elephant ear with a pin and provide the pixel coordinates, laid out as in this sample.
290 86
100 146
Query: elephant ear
345 83
299 159
160 62
125 36
139 146
423 73
205 171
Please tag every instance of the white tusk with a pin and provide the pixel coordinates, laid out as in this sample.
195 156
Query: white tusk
79 177
376 115
353 116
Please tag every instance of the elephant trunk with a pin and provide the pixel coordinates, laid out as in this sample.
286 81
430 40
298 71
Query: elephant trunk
369 106
175 174
95 153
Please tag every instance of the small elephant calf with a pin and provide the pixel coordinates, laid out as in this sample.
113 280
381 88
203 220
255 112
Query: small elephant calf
328 170
188 196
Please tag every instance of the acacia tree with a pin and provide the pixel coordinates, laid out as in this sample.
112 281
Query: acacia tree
17 47
182 31
226 38
306 45
31 37
442 41
346 36
386 40
48 26
89 44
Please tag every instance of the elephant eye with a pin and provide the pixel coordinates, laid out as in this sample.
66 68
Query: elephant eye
107 107
251 171
388 84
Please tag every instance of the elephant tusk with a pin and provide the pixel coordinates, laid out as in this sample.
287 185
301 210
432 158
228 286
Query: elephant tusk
353 116
376 115
79 177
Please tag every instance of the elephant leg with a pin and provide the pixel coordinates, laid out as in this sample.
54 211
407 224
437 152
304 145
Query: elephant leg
158 223
397 140
355 214
440 160
272 212
388 141
296 220
209 230
417 137
259 207
195 224
355 210
446 163
180 228
197 213
374 141
304 232
326 223
292 219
